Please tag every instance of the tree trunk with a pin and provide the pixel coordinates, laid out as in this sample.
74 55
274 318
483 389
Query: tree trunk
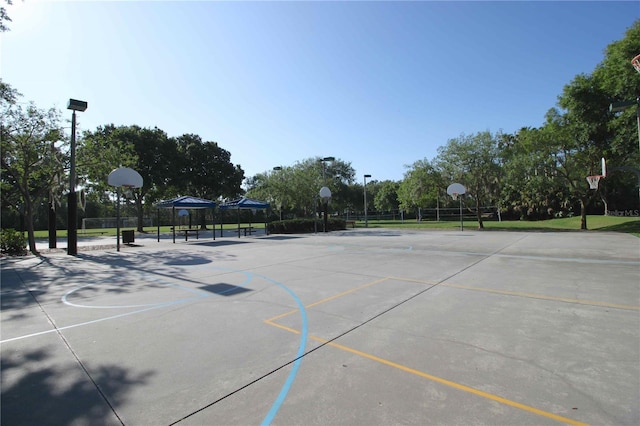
28 212
583 214
479 214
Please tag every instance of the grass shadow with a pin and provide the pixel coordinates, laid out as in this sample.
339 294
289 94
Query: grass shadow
631 227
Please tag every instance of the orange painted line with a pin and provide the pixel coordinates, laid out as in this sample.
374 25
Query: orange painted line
277 317
284 327
437 379
543 297
433 378
529 295
344 293
413 280
328 299
453 384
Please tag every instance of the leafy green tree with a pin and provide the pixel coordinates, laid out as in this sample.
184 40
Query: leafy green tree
585 130
101 151
528 191
4 17
206 169
306 180
8 94
296 187
274 187
150 152
422 185
32 158
474 161
168 166
545 168
621 82
386 196
563 156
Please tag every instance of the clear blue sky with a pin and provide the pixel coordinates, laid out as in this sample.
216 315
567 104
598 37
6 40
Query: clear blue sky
377 84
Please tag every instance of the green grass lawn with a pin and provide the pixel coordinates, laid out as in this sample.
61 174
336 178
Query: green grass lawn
630 225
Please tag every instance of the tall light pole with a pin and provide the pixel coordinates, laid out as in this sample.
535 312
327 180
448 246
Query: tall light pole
72 200
366 220
279 169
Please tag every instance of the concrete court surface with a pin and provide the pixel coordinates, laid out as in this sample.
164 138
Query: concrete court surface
361 327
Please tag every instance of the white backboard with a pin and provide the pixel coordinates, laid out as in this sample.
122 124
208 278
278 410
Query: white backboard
125 177
456 188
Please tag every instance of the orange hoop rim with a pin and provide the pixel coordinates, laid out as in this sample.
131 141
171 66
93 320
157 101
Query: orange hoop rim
636 63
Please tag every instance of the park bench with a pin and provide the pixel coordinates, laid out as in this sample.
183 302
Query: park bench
350 222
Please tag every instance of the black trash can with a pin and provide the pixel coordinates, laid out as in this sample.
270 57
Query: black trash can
128 237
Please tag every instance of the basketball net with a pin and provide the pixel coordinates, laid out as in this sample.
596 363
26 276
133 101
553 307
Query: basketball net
455 196
593 181
636 63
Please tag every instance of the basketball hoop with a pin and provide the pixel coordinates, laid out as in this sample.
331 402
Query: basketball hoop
636 63
593 181
455 196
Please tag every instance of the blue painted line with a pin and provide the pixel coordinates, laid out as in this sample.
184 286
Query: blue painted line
277 404
275 407
296 365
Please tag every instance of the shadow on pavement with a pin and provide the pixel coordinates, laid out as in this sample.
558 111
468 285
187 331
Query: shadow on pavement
36 392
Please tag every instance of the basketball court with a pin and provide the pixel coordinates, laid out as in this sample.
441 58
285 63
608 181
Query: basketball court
357 327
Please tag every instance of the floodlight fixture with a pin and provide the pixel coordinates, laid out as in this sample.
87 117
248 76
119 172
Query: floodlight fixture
324 160
77 105
621 106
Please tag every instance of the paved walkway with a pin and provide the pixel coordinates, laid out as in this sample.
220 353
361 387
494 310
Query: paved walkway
355 327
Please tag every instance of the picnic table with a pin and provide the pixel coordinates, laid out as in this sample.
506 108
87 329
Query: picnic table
187 231
246 229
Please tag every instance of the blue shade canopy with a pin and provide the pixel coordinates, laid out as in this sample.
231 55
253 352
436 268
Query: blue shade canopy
187 202
244 203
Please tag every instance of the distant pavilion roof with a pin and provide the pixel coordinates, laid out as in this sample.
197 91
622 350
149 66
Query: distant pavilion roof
187 202
244 203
